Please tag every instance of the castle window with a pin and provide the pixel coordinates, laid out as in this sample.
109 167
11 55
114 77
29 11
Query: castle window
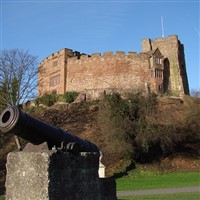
54 64
55 80
158 61
158 73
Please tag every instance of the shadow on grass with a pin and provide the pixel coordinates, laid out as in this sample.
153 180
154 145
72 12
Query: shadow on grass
128 168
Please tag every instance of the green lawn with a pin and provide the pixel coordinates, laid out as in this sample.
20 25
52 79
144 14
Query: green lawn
168 180
176 196
153 180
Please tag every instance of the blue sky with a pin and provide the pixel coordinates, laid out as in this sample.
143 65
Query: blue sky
44 27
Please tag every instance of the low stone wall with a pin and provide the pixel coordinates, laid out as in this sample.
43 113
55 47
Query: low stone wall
56 176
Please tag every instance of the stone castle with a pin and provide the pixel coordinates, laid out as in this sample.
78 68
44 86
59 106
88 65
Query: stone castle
159 68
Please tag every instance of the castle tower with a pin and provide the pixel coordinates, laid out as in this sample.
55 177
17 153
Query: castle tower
52 72
175 76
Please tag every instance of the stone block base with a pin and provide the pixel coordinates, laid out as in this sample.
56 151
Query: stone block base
55 176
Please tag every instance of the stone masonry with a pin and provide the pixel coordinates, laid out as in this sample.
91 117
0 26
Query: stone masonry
159 68
56 176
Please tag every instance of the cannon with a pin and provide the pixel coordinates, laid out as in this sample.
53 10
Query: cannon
14 120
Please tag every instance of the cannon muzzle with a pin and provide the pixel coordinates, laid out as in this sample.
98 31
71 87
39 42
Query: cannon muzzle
13 120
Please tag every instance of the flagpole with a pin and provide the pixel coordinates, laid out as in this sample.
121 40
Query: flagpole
162 23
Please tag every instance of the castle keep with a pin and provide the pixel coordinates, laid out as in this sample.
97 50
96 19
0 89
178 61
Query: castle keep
159 68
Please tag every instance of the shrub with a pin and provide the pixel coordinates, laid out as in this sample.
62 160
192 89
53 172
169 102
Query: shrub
47 100
123 123
127 131
189 139
70 97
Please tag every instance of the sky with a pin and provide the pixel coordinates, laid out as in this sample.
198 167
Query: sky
46 26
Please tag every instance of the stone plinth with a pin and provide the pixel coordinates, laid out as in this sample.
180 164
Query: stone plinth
54 176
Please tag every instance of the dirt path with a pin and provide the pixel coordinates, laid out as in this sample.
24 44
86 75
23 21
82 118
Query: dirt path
158 191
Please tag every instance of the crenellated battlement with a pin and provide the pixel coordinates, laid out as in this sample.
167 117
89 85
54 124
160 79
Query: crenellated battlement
54 55
170 37
107 55
149 44
74 57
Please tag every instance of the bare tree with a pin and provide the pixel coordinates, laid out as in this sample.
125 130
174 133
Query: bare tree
195 93
18 77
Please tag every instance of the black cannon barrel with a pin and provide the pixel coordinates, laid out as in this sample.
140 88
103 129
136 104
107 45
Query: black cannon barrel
13 120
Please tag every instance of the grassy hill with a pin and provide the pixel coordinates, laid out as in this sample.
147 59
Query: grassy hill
160 133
